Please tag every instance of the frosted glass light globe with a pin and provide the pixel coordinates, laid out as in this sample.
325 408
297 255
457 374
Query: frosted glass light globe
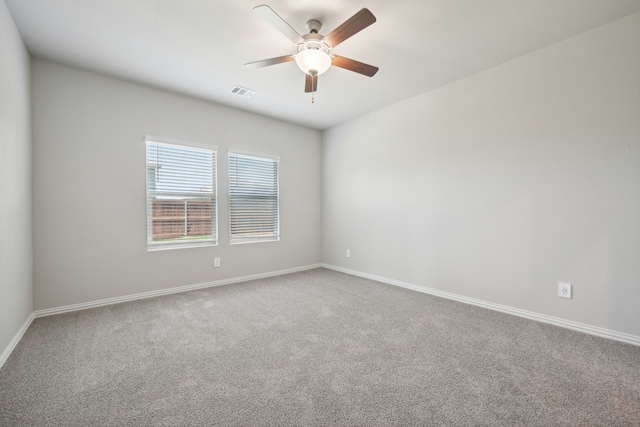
313 60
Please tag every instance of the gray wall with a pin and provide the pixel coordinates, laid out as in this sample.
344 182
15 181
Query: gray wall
15 182
89 188
500 185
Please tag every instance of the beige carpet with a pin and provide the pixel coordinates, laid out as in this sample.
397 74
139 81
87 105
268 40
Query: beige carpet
313 348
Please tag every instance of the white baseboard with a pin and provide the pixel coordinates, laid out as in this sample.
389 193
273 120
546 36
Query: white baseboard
179 289
83 306
580 327
16 339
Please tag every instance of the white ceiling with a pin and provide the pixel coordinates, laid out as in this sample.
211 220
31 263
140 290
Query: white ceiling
198 47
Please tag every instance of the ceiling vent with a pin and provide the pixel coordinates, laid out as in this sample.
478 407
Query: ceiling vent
242 91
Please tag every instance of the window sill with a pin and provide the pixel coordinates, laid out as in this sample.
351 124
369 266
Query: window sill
166 247
249 240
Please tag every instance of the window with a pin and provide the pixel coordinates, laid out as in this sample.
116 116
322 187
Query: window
181 194
253 197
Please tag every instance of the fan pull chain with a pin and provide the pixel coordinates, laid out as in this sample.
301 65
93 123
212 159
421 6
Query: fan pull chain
314 87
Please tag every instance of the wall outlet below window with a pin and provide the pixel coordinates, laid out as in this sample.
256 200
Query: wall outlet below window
348 253
564 290
216 262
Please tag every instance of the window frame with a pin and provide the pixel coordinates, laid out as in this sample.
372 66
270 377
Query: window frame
155 245
275 237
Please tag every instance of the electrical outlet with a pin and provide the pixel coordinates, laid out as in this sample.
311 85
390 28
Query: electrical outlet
564 290
348 253
216 262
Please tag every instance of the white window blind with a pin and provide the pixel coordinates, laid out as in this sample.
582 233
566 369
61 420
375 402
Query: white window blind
253 198
181 194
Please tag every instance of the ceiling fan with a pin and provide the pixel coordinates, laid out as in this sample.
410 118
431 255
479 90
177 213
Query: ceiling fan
314 50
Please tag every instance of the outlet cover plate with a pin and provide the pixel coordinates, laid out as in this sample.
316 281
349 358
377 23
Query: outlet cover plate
564 290
216 262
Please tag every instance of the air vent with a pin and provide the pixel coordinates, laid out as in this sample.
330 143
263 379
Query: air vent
242 91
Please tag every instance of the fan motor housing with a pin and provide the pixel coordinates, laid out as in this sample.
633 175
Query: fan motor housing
313 41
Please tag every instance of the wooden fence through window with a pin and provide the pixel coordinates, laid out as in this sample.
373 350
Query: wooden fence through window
175 219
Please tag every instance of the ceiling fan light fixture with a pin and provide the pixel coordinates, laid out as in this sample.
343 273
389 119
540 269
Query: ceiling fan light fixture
313 61
314 50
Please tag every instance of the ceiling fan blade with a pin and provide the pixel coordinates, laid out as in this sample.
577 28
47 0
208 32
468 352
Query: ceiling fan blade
310 83
280 24
351 26
270 61
351 65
